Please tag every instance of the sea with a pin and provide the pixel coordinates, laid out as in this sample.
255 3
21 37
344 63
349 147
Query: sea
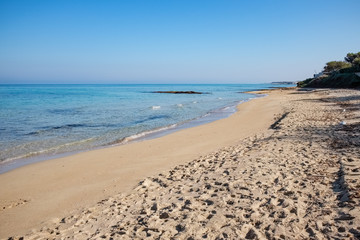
39 122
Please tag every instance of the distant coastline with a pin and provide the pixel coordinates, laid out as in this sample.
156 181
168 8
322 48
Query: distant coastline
289 83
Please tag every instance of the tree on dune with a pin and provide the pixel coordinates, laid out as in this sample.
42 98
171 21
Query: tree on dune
336 66
353 58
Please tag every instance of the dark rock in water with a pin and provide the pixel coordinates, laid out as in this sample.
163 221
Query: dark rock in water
179 92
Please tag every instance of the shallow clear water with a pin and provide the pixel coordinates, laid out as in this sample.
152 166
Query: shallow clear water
45 120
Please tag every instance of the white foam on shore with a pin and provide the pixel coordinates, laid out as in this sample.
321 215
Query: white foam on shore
143 134
211 116
44 151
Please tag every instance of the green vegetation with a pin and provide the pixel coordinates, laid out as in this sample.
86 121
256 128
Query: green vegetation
305 82
337 74
353 58
336 66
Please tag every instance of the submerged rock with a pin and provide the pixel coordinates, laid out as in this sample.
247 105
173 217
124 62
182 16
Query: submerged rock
179 92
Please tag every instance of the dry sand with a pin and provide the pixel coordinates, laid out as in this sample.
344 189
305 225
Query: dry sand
292 175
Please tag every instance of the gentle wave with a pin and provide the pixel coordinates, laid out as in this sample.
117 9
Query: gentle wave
145 134
44 151
140 135
49 129
70 127
151 118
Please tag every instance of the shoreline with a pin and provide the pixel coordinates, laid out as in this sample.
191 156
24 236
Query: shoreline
53 188
17 153
291 172
12 164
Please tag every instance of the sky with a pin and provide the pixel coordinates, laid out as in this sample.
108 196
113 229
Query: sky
173 41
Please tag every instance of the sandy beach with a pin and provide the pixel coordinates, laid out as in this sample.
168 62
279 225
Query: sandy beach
285 166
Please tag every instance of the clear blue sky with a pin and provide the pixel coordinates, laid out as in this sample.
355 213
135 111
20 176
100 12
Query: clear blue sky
173 41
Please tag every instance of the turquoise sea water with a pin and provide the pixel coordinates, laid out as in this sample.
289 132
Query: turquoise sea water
40 121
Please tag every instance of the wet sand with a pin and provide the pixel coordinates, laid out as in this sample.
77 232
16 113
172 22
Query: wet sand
285 166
